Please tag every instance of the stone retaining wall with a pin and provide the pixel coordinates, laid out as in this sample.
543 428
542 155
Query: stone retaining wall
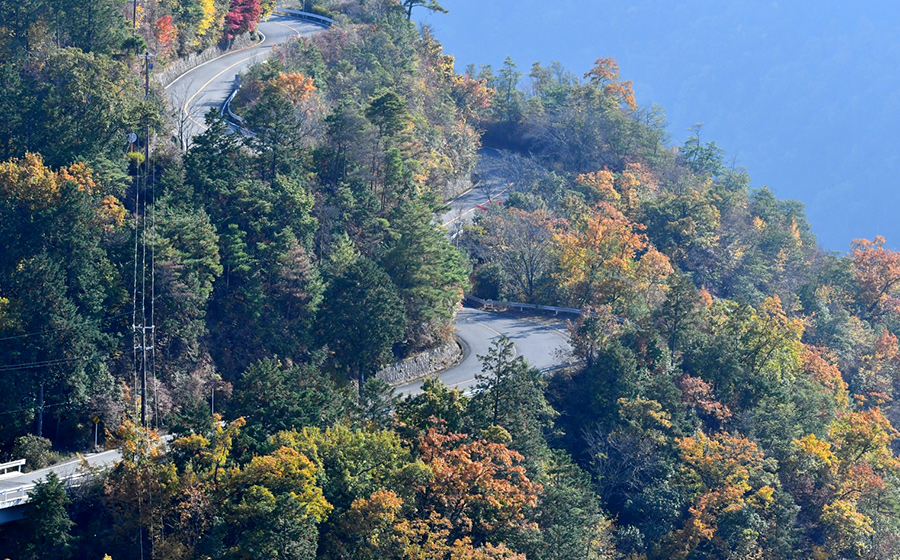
426 363
456 186
182 65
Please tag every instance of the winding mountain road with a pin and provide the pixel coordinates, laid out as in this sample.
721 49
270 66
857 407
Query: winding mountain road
208 85
542 342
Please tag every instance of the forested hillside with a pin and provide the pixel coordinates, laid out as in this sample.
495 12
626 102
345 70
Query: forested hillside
734 390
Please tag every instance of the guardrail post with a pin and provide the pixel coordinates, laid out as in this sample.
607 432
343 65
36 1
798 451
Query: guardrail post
17 464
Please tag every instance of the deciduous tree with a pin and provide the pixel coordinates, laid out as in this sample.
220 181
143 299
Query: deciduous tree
480 488
432 5
605 259
605 75
521 242
732 506
243 16
272 506
877 272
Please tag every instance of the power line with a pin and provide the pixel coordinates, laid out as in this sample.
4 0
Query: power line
153 294
86 323
32 365
35 407
140 339
137 209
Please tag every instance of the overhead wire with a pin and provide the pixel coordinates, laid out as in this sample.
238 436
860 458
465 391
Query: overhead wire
153 297
35 407
144 299
35 333
134 337
44 363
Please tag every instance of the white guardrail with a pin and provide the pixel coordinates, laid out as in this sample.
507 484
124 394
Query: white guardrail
225 110
307 16
6 467
12 497
226 107
490 303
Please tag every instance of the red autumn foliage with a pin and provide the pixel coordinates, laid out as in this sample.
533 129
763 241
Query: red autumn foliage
165 30
242 17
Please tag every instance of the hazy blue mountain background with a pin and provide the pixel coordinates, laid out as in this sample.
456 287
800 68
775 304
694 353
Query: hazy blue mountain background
804 94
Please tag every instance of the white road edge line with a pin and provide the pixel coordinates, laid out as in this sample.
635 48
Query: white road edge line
186 72
211 80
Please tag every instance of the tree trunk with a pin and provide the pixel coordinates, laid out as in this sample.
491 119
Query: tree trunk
40 415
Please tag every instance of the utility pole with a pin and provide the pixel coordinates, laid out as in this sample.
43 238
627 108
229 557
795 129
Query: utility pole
144 327
147 67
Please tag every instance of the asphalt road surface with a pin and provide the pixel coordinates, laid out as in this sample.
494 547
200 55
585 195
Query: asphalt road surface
14 488
543 343
489 189
208 86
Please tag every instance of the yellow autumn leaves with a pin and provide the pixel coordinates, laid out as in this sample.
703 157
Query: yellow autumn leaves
28 182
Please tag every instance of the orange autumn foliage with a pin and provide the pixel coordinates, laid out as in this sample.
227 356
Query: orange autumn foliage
624 189
479 487
850 466
165 30
856 455
819 365
731 477
474 95
430 539
475 488
605 74
602 182
604 257
28 181
880 369
296 87
699 394
877 271
721 459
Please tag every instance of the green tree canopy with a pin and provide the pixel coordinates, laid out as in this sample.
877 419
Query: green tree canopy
362 319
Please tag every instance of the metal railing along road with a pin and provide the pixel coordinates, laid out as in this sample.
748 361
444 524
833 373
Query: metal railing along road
18 495
12 497
314 18
490 303
15 486
6 467
225 110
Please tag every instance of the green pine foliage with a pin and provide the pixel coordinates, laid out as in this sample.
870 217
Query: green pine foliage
47 526
734 394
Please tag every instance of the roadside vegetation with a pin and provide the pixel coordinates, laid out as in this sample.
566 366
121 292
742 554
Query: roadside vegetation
735 394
